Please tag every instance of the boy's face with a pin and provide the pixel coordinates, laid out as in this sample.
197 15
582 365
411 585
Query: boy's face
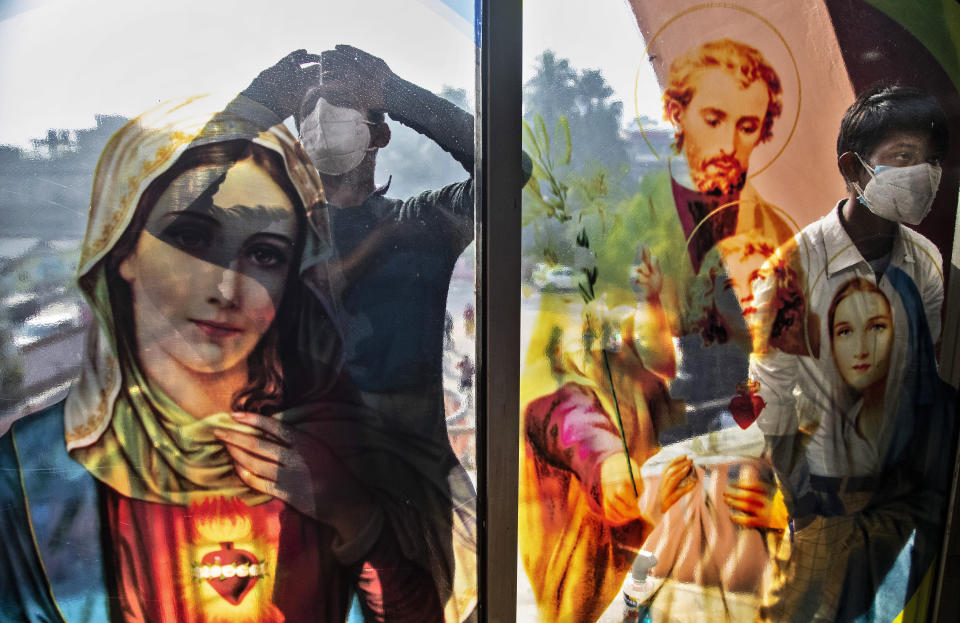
902 148
902 197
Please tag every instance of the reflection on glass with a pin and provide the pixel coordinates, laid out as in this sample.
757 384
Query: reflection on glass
274 417
857 418
396 258
660 358
706 382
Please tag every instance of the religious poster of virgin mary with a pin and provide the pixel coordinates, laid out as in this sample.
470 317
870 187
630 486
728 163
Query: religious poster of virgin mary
237 362
736 238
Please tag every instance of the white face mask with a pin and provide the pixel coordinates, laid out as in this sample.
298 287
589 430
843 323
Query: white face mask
336 139
901 194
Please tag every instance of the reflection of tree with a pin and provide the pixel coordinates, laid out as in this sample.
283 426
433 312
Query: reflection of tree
552 91
57 143
416 163
10 155
584 98
91 141
561 204
456 96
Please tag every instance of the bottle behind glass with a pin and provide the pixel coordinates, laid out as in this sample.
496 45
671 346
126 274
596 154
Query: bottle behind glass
638 589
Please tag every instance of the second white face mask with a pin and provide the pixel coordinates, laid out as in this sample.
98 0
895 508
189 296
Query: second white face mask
335 138
901 194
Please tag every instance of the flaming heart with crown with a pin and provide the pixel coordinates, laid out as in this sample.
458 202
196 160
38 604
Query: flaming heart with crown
230 571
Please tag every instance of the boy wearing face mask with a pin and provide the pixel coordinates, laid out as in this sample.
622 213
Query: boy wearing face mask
856 489
395 257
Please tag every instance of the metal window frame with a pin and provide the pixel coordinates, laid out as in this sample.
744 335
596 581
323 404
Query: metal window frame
498 285
945 603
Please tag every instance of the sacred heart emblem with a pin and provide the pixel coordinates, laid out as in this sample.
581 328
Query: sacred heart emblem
747 404
231 572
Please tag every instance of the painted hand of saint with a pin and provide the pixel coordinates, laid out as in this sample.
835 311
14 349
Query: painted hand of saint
299 469
646 276
618 501
756 504
678 479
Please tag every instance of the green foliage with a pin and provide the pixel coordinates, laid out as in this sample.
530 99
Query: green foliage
546 172
587 292
594 192
555 192
573 192
563 128
559 203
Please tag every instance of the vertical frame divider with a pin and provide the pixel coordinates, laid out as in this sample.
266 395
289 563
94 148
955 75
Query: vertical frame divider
498 285
945 606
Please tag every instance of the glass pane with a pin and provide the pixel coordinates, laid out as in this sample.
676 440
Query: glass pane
257 401
730 401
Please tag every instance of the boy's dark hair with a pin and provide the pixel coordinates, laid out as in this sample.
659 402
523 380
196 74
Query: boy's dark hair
886 108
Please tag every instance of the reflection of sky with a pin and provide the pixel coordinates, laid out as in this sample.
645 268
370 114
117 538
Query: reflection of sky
463 8
9 8
132 54
464 11
602 35
62 61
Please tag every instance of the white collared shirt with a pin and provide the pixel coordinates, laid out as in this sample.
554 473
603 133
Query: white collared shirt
807 393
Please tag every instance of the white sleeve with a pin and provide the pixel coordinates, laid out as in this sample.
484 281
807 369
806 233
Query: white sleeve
774 371
932 290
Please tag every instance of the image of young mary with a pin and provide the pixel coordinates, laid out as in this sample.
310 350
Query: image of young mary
211 463
872 480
